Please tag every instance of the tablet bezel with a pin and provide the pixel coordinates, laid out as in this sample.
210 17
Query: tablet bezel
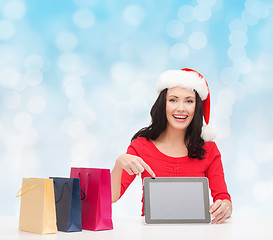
147 212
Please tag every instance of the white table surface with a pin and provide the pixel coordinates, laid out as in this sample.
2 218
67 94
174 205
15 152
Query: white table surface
258 228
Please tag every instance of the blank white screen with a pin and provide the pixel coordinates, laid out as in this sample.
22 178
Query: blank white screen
177 200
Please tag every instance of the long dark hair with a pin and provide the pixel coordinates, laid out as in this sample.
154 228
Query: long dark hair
193 140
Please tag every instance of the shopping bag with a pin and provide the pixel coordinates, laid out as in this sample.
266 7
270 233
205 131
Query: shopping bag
37 210
68 204
97 205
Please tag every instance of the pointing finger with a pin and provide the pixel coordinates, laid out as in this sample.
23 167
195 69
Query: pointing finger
147 167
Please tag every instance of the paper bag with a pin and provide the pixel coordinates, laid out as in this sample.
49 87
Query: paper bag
97 205
37 211
68 204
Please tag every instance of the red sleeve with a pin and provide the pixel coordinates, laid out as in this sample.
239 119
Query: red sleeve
215 174
126 179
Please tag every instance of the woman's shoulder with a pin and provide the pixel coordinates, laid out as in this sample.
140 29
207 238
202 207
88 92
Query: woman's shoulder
141 145
211 149
209 146
140 141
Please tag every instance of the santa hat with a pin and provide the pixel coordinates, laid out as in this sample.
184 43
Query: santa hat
190 79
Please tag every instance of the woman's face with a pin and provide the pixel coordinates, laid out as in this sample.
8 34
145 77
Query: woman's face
180 107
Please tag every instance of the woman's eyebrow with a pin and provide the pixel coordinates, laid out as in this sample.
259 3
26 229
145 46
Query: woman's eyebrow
172 96
190 97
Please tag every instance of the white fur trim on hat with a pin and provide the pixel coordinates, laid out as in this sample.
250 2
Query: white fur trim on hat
185 79
208 133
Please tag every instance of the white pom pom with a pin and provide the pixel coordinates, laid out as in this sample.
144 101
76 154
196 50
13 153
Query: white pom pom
208 133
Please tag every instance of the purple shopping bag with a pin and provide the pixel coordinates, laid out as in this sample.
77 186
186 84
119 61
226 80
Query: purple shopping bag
97 204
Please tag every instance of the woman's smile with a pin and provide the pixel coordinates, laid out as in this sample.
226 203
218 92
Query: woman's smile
180 117
180 107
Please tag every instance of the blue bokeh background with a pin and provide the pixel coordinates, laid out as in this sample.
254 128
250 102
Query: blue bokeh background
77 80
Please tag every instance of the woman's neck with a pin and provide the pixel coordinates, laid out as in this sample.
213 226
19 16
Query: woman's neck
172 136
171 142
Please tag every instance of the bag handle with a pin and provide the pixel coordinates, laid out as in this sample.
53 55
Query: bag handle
86 187
61 193
19 195
82 198
84 195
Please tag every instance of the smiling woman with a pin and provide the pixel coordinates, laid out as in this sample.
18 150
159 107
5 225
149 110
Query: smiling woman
175 143
180 107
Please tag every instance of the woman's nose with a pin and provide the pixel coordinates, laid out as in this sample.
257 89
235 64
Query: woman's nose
180 106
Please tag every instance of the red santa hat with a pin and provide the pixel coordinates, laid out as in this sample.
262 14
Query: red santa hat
190 79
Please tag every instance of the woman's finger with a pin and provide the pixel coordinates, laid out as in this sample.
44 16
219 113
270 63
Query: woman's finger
220 209
134 169
215 206
129 171
218 216
139 167
222 213
221 219
147 167
134 165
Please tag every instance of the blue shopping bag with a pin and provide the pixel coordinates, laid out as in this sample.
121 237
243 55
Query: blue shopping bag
68 204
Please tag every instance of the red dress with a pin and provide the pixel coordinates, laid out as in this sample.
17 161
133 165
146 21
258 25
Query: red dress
166 166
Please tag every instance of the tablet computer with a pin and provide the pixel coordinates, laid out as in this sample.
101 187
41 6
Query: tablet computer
176 200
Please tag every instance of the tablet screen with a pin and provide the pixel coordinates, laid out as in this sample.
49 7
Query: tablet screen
176 200
187 200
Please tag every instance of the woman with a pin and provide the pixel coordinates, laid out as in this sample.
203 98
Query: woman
176 144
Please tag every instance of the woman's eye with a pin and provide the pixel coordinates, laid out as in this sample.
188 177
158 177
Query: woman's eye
172 100
189 101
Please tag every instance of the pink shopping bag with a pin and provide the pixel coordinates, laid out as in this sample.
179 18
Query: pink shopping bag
97 204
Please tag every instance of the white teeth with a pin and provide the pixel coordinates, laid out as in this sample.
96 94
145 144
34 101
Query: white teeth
180 117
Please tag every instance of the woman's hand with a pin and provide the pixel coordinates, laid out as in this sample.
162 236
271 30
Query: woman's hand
220 211
133 164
